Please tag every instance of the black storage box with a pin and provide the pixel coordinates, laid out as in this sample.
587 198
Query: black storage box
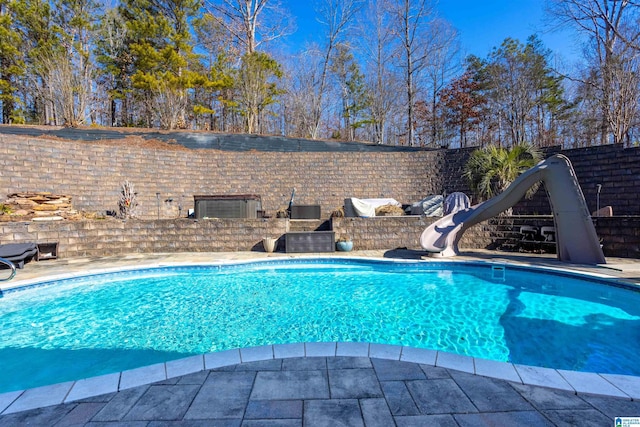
310 241
305 212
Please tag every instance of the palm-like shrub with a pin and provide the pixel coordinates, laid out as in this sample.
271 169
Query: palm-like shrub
491 169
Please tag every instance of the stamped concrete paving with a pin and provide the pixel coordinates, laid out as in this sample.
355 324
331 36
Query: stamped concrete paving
332 391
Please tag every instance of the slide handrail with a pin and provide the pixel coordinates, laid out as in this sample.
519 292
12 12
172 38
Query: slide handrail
10 265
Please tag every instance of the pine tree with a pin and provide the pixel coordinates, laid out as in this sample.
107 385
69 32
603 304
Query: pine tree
160 43
217 98
33 20
258 87
523 91
12 65
116 62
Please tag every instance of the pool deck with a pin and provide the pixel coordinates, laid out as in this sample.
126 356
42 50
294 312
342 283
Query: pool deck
326 384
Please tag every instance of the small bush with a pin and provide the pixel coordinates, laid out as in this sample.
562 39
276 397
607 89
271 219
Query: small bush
128 200
337 213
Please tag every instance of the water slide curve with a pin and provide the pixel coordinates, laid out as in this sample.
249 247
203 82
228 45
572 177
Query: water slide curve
576 238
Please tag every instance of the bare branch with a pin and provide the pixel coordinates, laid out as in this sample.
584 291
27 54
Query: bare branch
253 22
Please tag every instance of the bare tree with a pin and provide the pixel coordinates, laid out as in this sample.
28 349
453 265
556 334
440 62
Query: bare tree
613 32
376 38
253 22
300 74
169 103
411 23
77 26
335 15
440 67
64 89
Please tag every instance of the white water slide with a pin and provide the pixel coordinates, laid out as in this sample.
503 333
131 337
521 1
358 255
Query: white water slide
576 238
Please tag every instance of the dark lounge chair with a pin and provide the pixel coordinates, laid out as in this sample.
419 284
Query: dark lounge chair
18 253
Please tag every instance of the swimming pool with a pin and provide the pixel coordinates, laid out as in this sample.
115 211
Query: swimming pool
87 326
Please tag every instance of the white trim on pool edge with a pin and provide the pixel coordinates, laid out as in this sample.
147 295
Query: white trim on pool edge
613 385
622 386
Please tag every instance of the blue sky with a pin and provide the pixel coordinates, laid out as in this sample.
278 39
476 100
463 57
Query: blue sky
482 24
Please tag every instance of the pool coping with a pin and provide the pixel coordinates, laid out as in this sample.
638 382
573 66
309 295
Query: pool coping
612 385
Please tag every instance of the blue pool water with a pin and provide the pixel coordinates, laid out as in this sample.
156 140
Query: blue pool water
82 327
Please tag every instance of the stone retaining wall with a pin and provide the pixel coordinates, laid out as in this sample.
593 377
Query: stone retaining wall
401 232
614 167
620 236
167 180
113 237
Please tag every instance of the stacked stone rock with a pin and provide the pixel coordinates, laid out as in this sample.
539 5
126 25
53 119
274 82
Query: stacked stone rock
38 206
